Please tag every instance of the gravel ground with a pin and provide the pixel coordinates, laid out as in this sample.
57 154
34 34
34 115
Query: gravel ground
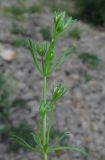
82 111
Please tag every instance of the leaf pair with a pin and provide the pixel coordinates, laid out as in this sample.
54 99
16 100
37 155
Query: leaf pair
22 142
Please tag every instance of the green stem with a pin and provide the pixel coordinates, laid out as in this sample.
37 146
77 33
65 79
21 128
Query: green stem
50 125
44 120
45 156
44 90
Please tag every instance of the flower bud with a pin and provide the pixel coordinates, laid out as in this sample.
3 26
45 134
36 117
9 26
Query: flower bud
61 23
41 48
58 91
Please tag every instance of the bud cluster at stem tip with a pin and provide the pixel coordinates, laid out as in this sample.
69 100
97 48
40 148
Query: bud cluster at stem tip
44 53
60 23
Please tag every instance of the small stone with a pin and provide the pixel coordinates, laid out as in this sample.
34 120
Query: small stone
93 99
93 83
87 139
95 86
75 77
103 90
1 47
95 127
85 124
77 98
7 55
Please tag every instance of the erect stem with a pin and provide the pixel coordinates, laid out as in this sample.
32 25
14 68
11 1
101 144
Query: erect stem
45 157
50 125
44 89
44 120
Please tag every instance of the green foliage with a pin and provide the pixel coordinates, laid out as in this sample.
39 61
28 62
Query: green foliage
16 30
24 131
59 137
60 24
101 157
91 10
41 48
19 11
45 108
7 101
46 63
14 10
90 59
46 34
19 102
75 33
20 43
7 98
33 9
87 77
5 95
57 92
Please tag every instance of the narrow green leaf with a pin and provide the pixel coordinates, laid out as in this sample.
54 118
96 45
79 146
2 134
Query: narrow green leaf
37 139
71 148
60 139
34 137
60 60
50 52
22 142
32 47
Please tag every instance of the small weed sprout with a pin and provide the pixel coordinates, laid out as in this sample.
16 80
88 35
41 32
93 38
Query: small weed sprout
90 59
46 34
46 63
5 96
8 102
75 33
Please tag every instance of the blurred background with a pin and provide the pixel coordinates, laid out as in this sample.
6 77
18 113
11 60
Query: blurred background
82 110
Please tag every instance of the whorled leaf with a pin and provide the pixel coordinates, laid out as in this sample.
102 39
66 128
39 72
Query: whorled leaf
33 51
58 91
23 143
58 62
37 140
58 140
44 108
70 148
